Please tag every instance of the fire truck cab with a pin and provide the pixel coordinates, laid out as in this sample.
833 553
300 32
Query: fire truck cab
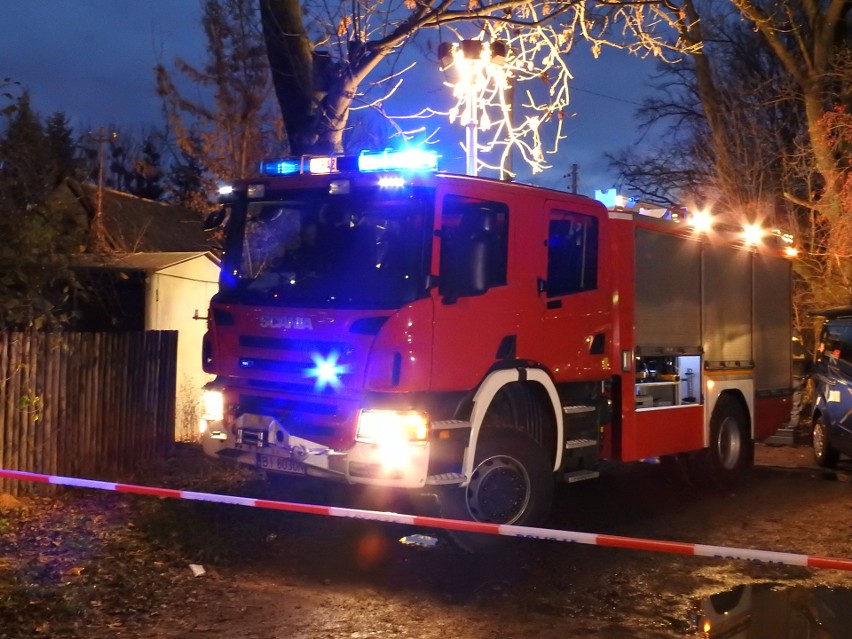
380 322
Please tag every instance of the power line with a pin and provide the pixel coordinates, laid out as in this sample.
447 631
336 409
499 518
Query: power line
574 87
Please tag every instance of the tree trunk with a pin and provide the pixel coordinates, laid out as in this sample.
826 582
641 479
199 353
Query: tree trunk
291 58
711 103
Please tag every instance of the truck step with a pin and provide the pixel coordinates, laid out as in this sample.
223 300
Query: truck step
444 479
576 410
580 443
450 424
579 475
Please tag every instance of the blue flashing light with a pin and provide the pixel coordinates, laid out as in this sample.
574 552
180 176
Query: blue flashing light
407 160
281 167
607 198
326 370
391 182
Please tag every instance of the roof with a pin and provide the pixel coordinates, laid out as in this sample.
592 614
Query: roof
150 262
135 225
833 313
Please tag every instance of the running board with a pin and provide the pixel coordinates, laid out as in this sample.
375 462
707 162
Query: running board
579 475
580 443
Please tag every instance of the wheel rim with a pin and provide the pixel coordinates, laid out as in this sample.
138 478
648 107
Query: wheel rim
729 443
819 439
499 490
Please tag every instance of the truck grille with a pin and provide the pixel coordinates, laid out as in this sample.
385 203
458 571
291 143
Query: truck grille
274 406
290 344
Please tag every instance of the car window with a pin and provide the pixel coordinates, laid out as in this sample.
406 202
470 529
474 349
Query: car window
836 342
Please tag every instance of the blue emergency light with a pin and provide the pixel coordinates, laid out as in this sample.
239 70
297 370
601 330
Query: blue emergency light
367 161
281 167
407 160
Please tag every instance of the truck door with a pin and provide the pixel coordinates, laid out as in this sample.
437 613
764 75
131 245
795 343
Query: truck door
474 306
577 321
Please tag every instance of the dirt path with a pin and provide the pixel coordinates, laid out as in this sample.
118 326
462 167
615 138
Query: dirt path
277 575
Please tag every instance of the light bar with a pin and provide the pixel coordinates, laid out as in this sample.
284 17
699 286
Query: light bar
408 160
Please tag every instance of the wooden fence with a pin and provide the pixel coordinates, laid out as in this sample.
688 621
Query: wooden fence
85 404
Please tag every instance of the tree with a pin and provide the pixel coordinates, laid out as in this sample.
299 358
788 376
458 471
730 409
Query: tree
37 236
185 181
238 126
146 175
322 56
764 77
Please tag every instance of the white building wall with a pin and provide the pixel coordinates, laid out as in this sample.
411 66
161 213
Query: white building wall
176 294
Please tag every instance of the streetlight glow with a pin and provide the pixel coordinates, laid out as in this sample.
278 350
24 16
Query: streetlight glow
477 68
484 75
702 221
752 234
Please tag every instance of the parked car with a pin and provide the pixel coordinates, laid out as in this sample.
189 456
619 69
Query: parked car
832 379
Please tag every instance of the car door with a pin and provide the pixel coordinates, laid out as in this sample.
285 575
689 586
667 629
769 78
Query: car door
834 381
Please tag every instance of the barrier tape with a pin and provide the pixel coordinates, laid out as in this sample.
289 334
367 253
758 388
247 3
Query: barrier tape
506 530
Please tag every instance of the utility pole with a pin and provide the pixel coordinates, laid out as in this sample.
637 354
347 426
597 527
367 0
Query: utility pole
96 231
574 172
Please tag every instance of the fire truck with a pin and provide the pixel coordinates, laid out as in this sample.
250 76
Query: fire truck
379 322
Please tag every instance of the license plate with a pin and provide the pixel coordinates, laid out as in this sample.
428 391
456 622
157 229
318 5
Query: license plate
280 464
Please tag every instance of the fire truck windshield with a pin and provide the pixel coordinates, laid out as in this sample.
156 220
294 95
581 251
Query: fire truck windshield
367 249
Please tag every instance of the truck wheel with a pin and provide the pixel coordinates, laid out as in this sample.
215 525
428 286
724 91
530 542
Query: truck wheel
825 454
511 483
731 451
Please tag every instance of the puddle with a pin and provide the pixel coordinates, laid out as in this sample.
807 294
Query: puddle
770 611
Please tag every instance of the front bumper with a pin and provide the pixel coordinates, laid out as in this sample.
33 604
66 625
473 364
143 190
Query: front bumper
261 441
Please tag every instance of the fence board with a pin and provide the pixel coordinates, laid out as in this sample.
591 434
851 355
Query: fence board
84 404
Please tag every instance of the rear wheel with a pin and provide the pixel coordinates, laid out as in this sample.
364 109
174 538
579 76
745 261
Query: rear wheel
731 451
825 454
511 483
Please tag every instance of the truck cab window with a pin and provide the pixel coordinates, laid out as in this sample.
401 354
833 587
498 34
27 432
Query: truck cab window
572 254
474 245
367 249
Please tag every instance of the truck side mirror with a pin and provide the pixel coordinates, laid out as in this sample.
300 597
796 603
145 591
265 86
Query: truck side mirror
215 219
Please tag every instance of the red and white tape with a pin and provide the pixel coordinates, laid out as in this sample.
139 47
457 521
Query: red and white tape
525 532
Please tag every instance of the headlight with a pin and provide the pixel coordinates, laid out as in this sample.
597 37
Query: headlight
392 427
213 404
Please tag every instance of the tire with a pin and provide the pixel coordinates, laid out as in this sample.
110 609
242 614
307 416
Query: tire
825 454
511 483
731 451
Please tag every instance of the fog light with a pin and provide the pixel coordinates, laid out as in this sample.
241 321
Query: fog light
213 405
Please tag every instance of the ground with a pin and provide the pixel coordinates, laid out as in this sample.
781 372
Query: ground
95 564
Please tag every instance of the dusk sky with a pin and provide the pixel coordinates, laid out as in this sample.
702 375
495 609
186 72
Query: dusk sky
94 59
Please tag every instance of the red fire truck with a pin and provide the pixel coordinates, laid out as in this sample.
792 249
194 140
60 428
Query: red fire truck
379 322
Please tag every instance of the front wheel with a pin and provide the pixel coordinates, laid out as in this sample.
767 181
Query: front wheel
511 483
731 451
825 454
